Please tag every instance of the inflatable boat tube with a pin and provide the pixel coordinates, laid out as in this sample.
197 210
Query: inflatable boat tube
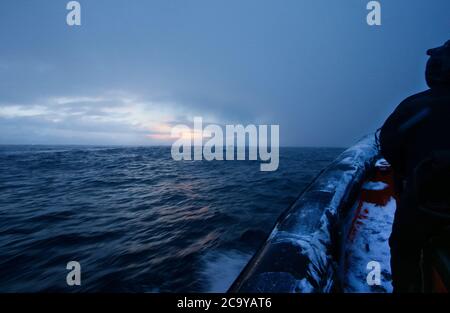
304 251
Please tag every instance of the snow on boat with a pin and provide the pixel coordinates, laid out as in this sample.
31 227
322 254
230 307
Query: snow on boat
366 241
326 241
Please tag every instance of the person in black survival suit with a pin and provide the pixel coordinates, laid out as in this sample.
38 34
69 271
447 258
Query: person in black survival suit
417 131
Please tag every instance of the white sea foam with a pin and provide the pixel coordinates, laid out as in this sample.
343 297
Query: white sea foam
222 268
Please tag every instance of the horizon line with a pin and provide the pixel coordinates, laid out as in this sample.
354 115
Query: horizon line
147 145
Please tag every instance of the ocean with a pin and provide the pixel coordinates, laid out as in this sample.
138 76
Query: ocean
136 220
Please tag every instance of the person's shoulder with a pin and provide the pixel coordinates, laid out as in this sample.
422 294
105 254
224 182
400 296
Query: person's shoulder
419 96
415 100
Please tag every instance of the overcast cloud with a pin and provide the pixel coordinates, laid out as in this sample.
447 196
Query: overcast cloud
133 69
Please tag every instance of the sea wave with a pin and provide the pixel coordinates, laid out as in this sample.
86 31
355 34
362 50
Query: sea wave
136 220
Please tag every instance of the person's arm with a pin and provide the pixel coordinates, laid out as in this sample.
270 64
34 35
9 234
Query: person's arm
392 135
398 127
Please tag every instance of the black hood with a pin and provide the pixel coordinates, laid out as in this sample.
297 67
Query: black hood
438 67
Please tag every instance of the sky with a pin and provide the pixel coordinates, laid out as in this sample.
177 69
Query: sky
134 69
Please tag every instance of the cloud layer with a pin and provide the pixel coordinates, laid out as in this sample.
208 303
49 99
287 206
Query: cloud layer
134 69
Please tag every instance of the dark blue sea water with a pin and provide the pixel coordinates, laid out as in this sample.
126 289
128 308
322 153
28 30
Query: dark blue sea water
136 220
